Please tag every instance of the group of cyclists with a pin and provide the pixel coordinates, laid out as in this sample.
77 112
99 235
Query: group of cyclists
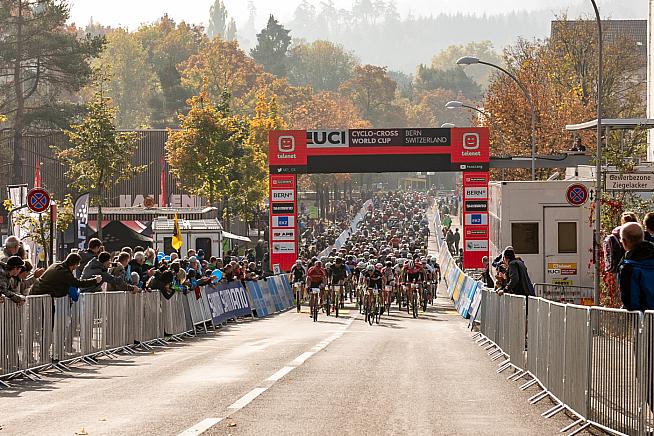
384 261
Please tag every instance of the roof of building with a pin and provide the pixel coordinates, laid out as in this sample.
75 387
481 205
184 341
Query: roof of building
168 225
615 124
613 30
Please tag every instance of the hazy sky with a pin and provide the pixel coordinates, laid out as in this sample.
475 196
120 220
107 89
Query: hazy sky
131 13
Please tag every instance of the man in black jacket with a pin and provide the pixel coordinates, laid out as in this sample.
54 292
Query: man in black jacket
95 247
59 278
518 282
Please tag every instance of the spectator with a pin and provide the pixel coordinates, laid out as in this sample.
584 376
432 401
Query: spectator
613 250
122 279
174 256
138 265
27 277
457 240
648 223
12 247
200 255
150 258
449 239
259 250
162 281
127 250
58 279
99 266
94 248
636 271
486 276
519 282
10 270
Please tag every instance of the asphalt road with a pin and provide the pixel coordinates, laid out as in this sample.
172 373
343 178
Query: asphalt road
288 375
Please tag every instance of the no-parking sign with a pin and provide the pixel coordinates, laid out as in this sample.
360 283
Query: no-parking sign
38 200
577 194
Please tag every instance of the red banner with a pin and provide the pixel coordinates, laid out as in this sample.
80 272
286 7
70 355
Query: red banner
283 234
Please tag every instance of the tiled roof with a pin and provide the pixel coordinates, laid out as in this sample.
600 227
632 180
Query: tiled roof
613 30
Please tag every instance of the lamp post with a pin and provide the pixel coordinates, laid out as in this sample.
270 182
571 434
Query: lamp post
471 60
448 125
458 105
598 157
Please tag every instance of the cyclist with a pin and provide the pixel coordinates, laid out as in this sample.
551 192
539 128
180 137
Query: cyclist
297 277
337 276
316 277
374 282
412 274
390 279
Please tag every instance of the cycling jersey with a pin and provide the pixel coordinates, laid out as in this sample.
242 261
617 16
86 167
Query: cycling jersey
374 279
337 273
316 275
298 273
389 273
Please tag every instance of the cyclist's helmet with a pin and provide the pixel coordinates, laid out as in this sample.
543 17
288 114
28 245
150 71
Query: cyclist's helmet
370 267
411 264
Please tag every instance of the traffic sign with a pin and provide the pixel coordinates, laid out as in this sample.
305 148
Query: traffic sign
38 200
577 194
629 182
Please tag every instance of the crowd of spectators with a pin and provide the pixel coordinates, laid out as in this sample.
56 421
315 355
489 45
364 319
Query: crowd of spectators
133 270
317 234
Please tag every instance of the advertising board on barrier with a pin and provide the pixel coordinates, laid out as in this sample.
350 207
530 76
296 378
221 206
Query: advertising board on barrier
270 296
227 301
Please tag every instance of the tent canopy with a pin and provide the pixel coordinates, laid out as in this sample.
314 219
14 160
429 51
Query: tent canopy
116 235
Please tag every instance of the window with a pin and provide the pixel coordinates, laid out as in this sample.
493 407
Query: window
168 245
204 244
567 237
524 238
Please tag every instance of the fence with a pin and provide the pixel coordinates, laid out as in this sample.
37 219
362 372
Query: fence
565 293
597 363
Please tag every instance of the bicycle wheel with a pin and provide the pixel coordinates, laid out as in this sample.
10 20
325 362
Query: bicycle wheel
377 311
328 303
415 304
369 313
337 303
424 301
298 298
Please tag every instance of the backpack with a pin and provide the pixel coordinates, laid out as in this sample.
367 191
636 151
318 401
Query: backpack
613 254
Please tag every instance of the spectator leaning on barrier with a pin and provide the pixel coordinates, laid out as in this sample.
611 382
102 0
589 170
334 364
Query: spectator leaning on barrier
518 282
636 271
100 267
486 276
12 247
162 281
613 249
648 223
58 279
8 271
94 248
27 278
122 280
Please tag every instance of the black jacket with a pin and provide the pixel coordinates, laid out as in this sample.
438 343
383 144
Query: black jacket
57 280
519 282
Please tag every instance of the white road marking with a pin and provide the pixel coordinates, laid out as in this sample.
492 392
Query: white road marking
247 398
281 373
200 427
299 360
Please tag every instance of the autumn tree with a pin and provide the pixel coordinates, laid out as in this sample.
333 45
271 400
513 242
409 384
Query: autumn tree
43 62
373 93
323 65
325 110
207 154
452 79
98 157
272 48
167 45
429 110
133 83
446 59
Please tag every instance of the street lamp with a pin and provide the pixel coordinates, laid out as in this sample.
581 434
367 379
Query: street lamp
598 157
471 60
458 105
448 126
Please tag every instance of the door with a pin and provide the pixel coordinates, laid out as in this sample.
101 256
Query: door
562 262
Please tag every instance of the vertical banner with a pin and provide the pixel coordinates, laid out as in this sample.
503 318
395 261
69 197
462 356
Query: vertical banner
82 219
283 232
475 219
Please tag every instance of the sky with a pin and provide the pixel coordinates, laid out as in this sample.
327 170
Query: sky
131 13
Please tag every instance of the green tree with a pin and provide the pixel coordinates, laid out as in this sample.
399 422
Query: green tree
230 34
446 59
217 20
133 83
98 157
452 79
272 48
167 45
323 65
206 154
43 62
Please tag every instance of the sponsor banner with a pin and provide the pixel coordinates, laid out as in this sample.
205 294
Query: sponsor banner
476 219
283 235
327 139
277 181
227 301
476 245
470 145
476 206
282 195
479 193
287 148
399 137
562 269
476 179
283 221
271 296
283 208
476 233
283 247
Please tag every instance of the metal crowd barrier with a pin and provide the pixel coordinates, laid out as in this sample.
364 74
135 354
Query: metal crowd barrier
46 332
565 293
597 363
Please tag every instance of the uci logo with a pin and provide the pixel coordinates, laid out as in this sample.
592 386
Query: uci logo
286 144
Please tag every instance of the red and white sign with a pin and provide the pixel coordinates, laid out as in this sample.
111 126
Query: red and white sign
287 148
283 227
577 194
475 222
38 200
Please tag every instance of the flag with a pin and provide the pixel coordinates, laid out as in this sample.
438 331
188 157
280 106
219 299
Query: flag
163 202
177 237
37 175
